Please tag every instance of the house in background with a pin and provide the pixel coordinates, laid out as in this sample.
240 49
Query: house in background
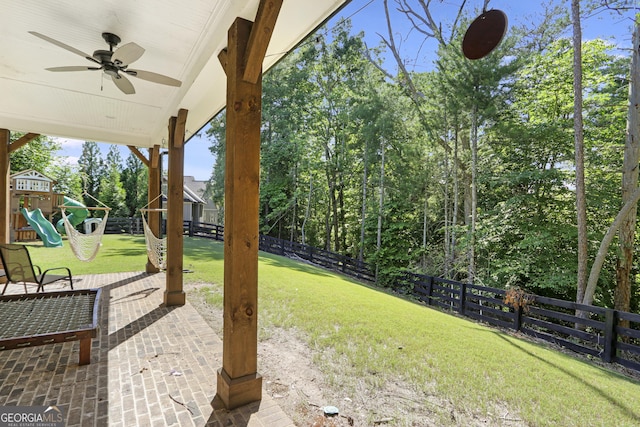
196 208
210 211
193 205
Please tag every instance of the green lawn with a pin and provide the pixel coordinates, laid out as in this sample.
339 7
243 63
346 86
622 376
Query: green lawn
377 337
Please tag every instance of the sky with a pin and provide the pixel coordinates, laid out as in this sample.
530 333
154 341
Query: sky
368 16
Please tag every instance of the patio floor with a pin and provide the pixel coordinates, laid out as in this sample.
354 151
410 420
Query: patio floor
150 365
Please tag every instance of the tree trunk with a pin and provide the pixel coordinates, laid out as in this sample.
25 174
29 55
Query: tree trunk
331 214
364 203
456 201
294 214
334 217
341 218
474 195
581 199
307 212
604 247
447 221
467 180
424 231
381 204
622 296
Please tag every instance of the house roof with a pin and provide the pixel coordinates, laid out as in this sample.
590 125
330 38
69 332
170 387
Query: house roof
191 196
181 40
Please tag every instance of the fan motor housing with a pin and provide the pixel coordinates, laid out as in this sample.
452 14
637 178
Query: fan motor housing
104 56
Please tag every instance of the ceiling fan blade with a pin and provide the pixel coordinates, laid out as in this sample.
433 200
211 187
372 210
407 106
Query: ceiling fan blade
126 54
124 84
73 68
64 46
154 77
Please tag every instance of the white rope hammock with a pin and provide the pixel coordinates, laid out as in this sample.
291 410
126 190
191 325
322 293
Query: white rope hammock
156 248
85 246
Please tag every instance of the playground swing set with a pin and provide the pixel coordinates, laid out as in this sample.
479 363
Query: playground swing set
33 204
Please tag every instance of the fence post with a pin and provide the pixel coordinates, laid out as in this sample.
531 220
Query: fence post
517 320
429 289
610 335
462 295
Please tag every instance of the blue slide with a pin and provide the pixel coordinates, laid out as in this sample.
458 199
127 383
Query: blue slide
43 228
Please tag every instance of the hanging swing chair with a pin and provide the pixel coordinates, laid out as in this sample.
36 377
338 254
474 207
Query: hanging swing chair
85 246
156 247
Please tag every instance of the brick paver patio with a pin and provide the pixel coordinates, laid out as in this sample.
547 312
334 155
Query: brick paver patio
150 365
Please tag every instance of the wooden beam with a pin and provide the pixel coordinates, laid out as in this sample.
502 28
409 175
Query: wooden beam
222 57
22 141
154 219
180 128
238 381
154 156
261 33
5 200
174 293
139 155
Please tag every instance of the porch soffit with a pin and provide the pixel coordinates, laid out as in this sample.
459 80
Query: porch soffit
181 40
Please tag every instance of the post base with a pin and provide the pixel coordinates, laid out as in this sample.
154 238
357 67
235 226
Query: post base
151 269
174 298
237 392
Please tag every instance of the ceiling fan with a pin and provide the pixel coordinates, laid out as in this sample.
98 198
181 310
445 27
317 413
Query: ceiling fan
114 63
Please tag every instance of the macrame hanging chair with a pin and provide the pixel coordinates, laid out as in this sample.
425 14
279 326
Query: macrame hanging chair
156 247
85 246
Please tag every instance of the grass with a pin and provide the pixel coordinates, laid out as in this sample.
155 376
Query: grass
359 332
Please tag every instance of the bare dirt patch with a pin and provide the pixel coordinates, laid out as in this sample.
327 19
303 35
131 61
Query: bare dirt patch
291 376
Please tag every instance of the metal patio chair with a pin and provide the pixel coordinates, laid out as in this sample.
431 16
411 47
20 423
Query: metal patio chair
18 268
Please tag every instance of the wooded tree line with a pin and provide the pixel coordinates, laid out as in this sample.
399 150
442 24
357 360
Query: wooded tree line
467 171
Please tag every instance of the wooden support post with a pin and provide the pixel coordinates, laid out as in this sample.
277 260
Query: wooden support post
238 381
85 351
174 294
5 200
155 182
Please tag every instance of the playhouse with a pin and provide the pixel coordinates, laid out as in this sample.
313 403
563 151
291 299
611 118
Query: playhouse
32 191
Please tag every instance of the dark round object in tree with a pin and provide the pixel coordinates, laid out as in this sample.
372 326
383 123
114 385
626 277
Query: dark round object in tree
484 34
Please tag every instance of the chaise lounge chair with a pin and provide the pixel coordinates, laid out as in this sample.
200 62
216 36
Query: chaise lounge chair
18 268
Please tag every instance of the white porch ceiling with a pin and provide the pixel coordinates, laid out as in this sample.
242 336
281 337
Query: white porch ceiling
182 40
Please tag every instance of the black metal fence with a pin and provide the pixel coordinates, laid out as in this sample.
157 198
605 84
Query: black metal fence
598 334
129 225
332 261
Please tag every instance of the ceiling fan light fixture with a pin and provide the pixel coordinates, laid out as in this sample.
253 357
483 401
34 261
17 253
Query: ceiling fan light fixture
113 62
111 70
